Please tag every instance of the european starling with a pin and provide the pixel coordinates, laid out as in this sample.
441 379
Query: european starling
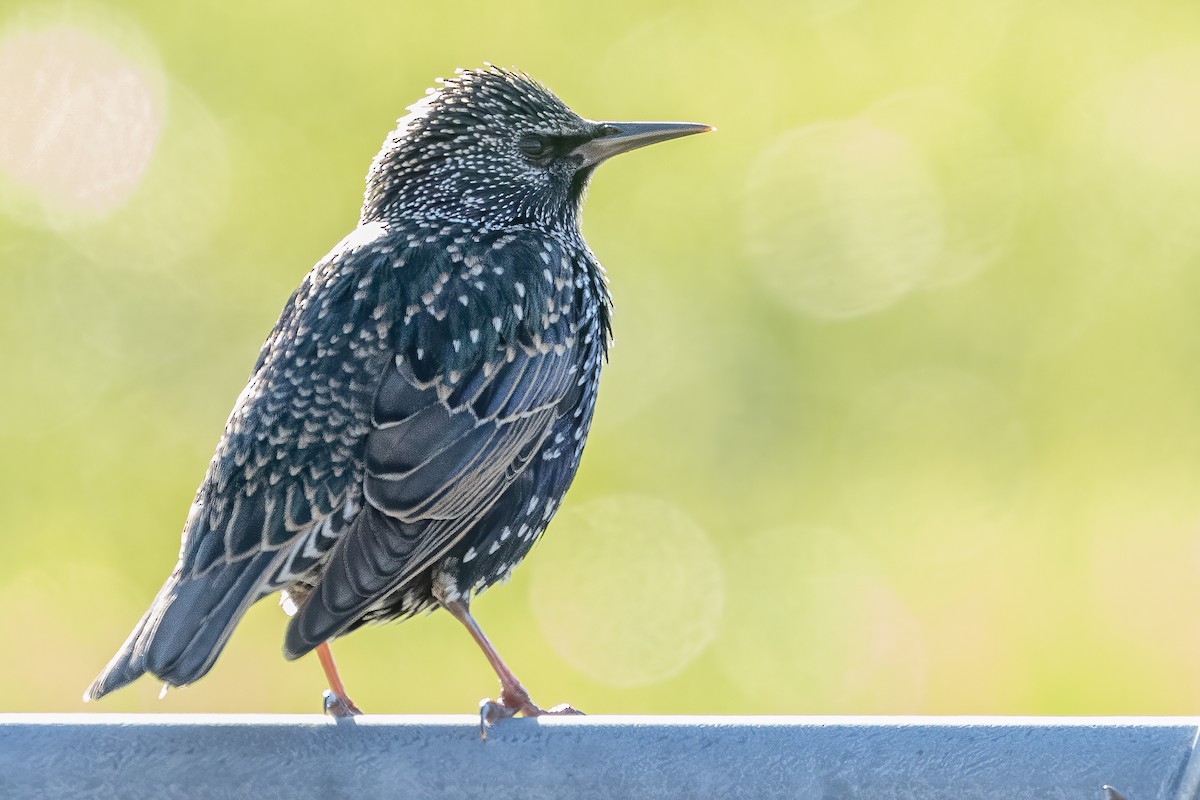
420 408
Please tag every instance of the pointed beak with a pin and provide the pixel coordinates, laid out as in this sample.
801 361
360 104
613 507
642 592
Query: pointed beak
621 137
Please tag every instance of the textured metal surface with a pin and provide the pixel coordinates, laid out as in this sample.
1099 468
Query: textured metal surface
832 758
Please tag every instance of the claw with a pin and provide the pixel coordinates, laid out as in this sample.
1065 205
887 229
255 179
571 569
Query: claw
339 706
492 711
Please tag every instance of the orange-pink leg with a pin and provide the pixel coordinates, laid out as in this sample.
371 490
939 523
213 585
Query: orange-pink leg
514 699
337 702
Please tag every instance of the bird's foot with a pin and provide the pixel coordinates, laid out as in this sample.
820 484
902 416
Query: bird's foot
339 706
514 701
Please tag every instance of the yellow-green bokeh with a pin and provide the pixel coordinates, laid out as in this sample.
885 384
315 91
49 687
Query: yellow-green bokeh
904 410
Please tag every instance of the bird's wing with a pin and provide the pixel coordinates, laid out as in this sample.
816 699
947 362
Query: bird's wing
439 457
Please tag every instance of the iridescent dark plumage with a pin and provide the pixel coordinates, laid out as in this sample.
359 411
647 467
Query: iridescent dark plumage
421 406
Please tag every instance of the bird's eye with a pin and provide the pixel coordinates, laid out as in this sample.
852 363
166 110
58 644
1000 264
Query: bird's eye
536 147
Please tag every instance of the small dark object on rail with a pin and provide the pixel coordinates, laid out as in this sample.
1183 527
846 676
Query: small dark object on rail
421 406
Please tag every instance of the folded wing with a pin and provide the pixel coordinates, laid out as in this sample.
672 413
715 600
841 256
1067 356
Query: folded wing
439 456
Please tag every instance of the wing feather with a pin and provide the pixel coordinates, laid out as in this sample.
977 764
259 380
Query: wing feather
434 470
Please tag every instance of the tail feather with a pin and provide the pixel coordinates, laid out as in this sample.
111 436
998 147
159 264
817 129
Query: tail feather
188 624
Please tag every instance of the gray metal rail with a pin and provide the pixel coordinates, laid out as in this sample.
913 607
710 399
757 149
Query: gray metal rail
828 758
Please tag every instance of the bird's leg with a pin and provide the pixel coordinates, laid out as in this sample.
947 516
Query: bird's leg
514 699
337 702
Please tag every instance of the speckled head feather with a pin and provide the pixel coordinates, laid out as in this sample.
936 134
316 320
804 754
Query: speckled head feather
489 147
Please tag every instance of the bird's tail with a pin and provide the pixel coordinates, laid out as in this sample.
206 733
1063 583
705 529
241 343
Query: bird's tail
180 636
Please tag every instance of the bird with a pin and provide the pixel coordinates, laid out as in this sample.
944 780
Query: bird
420 408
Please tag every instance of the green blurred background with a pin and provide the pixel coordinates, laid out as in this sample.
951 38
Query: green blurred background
902 413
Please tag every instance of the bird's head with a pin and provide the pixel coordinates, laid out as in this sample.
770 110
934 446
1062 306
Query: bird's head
493 146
